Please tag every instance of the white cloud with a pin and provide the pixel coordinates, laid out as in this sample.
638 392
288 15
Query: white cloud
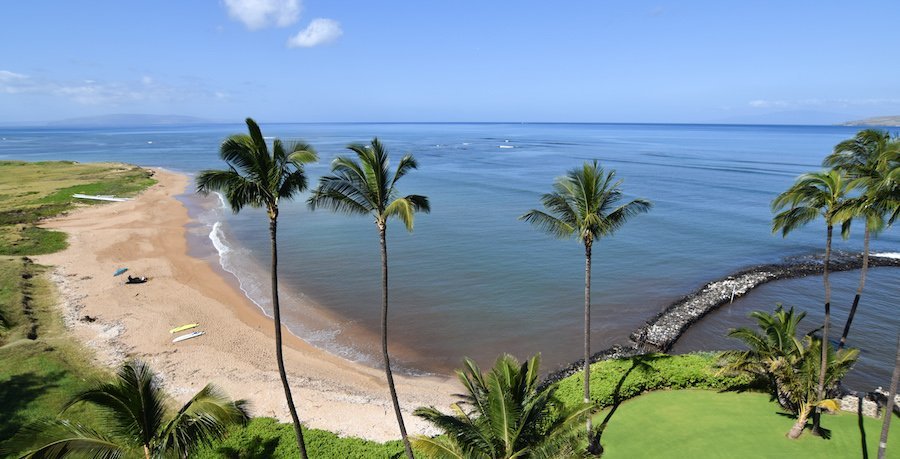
257 14
93 92
816 103
318 32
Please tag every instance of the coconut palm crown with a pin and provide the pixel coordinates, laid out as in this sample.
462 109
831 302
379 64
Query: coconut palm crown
139 423
503 415
366 186
257 178
585 205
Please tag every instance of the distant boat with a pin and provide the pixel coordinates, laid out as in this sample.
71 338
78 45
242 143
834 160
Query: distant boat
507 146
100 197
183 328
188 336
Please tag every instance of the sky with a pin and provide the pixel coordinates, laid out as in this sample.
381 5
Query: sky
519 61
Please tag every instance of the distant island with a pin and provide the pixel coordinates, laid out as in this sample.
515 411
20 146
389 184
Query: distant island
129 120
875 121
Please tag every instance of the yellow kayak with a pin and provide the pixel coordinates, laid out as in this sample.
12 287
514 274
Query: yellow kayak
183 328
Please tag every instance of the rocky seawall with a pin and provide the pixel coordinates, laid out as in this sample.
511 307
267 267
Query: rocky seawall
660 333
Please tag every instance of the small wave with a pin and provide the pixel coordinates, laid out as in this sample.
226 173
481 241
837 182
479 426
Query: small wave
895 255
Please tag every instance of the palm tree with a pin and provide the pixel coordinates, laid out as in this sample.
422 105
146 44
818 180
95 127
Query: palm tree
365 186
769 349
799 379
860 158
583 205
256 178
139 421
506 417
790 364
812 195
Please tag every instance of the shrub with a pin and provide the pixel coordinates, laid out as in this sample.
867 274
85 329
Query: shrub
620 379
267 438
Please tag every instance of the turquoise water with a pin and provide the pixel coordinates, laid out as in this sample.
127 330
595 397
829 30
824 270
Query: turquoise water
474 281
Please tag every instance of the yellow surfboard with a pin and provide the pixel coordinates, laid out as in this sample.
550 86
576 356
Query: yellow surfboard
183 328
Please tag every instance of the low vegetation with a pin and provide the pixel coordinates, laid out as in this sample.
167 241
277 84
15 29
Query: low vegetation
137 421
31 192
49 367
265 438
617 380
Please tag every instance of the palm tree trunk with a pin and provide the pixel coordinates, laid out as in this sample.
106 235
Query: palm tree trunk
382 232
276 313
889 408
820 392
146 452
798 426
862 283
587 328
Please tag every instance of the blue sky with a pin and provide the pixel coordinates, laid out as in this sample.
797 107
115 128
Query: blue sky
581 61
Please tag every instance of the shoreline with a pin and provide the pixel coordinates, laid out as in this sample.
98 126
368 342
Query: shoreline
149 236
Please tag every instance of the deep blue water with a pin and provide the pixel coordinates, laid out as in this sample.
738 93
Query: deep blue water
472 280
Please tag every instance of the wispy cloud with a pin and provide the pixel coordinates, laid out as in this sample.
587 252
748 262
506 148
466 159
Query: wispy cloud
93 92
318 32
258 14
818 103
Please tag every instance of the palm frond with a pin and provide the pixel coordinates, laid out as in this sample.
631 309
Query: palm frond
206 417
52 439
133 403
793 218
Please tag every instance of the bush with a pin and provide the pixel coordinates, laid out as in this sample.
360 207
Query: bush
620 379
267 438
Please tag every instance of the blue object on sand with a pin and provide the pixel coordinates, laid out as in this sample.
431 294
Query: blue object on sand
120 271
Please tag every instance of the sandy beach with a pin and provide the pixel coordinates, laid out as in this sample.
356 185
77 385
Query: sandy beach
148 236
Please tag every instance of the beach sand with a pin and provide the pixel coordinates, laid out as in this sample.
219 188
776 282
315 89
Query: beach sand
237 351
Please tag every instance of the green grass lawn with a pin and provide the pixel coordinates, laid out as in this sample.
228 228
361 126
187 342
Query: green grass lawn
37 376
30 192
700 424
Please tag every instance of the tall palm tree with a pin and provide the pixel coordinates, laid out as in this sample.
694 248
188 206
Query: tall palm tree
502 415
812 195
584 204
861 159
257 178
139 422
366 186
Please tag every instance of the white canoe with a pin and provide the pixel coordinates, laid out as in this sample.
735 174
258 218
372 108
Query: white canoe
187 336
100 198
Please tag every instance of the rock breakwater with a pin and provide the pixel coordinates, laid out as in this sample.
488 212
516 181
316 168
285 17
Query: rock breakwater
660 333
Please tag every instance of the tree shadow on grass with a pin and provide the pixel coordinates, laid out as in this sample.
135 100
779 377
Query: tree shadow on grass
862 428
640 363
256 448
17 393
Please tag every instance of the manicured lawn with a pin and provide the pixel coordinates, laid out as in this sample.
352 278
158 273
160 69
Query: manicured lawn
700 424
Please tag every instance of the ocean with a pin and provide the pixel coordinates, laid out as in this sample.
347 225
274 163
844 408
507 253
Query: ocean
473 280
